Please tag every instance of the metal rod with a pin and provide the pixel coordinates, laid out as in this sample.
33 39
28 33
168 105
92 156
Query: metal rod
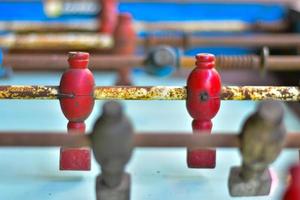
210 26
40 26
202 140
140 93
186 140
258 93
29 92
29 61
271 63
141 26
254 40
95 41
42 139
254 93
166 140
279 63
70 41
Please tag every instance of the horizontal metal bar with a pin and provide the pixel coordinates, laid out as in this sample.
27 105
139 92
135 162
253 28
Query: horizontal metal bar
157 140
255 93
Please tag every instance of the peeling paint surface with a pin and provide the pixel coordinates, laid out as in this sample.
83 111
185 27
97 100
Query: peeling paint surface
257 93
254 93
141 93
57 41
28 92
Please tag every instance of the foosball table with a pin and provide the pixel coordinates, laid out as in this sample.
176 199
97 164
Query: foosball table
223 126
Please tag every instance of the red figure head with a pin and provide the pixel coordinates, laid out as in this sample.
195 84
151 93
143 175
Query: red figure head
79 82
204 88
78 60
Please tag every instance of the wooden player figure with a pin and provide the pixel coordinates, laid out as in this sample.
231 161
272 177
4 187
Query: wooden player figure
125 42
112 141
77 102
203 103
109 16
261 140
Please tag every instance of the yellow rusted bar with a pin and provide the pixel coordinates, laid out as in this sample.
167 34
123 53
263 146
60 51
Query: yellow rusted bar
28 92
140 93
257 93
44 27
254 93
62 41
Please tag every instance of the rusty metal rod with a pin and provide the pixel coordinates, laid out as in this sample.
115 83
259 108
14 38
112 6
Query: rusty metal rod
44 27
254 93
179 93
90 41
29 92
254 40
283 62
141 26
271 63
210 26
166 140
112 62
28 61
59 41
43 139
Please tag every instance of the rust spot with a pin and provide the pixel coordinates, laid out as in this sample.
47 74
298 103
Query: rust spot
57 41
28 92
254 93
140 93
260 93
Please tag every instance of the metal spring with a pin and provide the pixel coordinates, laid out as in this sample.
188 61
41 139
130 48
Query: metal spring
238 62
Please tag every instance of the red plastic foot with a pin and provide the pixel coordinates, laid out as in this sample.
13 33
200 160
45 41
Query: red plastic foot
77 159
201 158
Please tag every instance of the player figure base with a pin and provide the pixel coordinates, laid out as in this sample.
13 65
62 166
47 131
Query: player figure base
203 158
76 159
259 186
122 192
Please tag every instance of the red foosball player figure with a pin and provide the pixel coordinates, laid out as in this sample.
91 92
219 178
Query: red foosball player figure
203 103
293 191
77 102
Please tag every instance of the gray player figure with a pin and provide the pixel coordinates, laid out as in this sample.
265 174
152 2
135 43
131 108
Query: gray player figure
261 140
112 142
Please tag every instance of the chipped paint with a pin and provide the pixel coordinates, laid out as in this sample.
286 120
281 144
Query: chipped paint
254 93
140 93
257 93
77 41
28 92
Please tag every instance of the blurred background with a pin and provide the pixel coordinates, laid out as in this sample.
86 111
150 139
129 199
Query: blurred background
143 43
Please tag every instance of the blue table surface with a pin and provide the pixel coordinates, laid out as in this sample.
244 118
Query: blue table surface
33 173
34 10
